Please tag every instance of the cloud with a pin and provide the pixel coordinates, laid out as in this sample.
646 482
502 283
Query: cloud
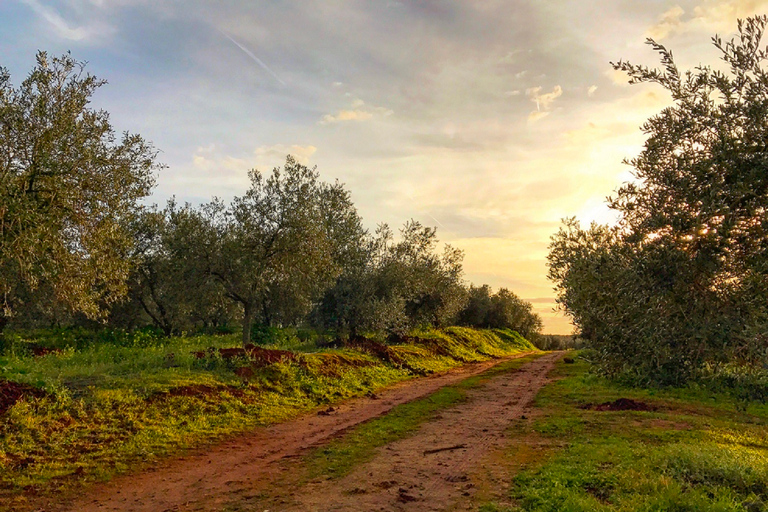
59 24
94 23
512 93
723 15
617 77
210 160
359 112
510 57
346 115
708 16
668 23
591 91
536 115
302 154
543 101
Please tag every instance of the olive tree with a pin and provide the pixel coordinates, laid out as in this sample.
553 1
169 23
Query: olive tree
168 283
683 280
279 245
502 309
396 285
69 186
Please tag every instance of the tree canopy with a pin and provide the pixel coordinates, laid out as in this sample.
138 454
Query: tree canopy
78 246
683 279
69 187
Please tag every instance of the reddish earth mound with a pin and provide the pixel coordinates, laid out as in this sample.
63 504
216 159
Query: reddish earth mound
334 364
622 404
384 353
258 356
12 392
434 345
39 350
377 349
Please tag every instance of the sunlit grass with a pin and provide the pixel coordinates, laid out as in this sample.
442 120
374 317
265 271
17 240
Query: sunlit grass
698 451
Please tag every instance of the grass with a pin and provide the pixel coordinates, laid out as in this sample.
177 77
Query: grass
698 451
112 407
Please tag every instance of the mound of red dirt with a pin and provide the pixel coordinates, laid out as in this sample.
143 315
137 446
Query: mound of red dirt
256 355
39 350
379 350
622 404
12 392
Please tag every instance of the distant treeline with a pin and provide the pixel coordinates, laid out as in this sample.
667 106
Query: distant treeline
680 285
79 248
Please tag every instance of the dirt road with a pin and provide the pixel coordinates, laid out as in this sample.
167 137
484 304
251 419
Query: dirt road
431 470
401 477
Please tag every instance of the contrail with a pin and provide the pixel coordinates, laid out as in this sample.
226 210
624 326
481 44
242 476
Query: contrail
434 219
254 57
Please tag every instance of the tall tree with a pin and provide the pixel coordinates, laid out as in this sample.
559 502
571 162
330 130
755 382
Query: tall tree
169 284
68 189
684 279
286 235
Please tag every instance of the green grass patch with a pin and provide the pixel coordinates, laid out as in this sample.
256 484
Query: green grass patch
696 451
117 405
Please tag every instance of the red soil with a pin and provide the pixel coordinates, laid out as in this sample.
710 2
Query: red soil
12 392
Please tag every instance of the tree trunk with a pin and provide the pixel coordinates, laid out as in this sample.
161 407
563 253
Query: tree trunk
248 314
3 322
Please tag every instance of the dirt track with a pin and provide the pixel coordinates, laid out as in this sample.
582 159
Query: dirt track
428 471
209 480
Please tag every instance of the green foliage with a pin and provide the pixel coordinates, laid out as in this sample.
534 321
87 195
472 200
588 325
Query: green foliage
68 189
276 248
503 310
557 342
683 280
395 286
169 285
745 383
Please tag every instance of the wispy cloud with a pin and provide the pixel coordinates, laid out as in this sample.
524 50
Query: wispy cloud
359 112
59 24
667 24
302 154
543 101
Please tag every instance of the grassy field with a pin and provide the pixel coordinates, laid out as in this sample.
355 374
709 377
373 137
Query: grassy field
105 408
690 450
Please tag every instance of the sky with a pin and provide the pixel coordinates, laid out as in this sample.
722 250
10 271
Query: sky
490 120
